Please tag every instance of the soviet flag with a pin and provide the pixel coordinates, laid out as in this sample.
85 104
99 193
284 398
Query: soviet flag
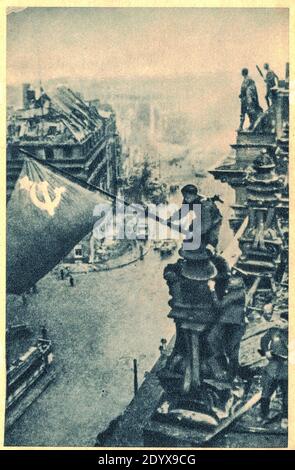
47 215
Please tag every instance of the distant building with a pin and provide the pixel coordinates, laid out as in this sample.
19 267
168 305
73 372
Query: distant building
72 134
140 120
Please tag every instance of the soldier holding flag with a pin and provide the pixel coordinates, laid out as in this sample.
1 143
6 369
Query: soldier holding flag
48 213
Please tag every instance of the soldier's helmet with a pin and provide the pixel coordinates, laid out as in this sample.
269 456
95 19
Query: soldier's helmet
266 66
190 189
245 72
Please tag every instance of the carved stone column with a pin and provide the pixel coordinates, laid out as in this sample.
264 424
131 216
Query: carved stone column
261 242
193 313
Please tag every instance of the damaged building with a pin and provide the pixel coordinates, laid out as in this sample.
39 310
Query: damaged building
74 135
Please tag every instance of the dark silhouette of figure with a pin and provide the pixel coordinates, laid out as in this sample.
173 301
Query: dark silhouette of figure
274 346
44 332
225 337
249 100
271 80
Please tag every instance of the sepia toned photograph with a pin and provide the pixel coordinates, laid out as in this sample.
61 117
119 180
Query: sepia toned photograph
147 227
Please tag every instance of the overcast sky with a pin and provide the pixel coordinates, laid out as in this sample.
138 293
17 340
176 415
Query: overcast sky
135 42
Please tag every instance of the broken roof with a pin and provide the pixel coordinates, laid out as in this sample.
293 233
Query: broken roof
68 113
77 115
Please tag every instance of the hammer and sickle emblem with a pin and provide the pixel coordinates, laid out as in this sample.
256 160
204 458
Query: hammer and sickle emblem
47 204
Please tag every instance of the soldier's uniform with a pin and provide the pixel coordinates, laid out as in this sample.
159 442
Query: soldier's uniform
249 102
243 98
210 215
225 337
270 80
223 275
274 345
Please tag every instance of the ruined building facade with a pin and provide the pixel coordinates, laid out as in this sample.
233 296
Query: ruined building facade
68 132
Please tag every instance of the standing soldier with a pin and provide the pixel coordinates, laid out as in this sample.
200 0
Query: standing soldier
249 100
271 80
274 346
223 272
243 98
225 337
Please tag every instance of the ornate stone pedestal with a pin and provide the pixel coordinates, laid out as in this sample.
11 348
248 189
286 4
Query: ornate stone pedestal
261 243
193 313
194 397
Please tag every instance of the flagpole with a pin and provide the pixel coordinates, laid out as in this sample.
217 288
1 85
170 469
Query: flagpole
96 188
